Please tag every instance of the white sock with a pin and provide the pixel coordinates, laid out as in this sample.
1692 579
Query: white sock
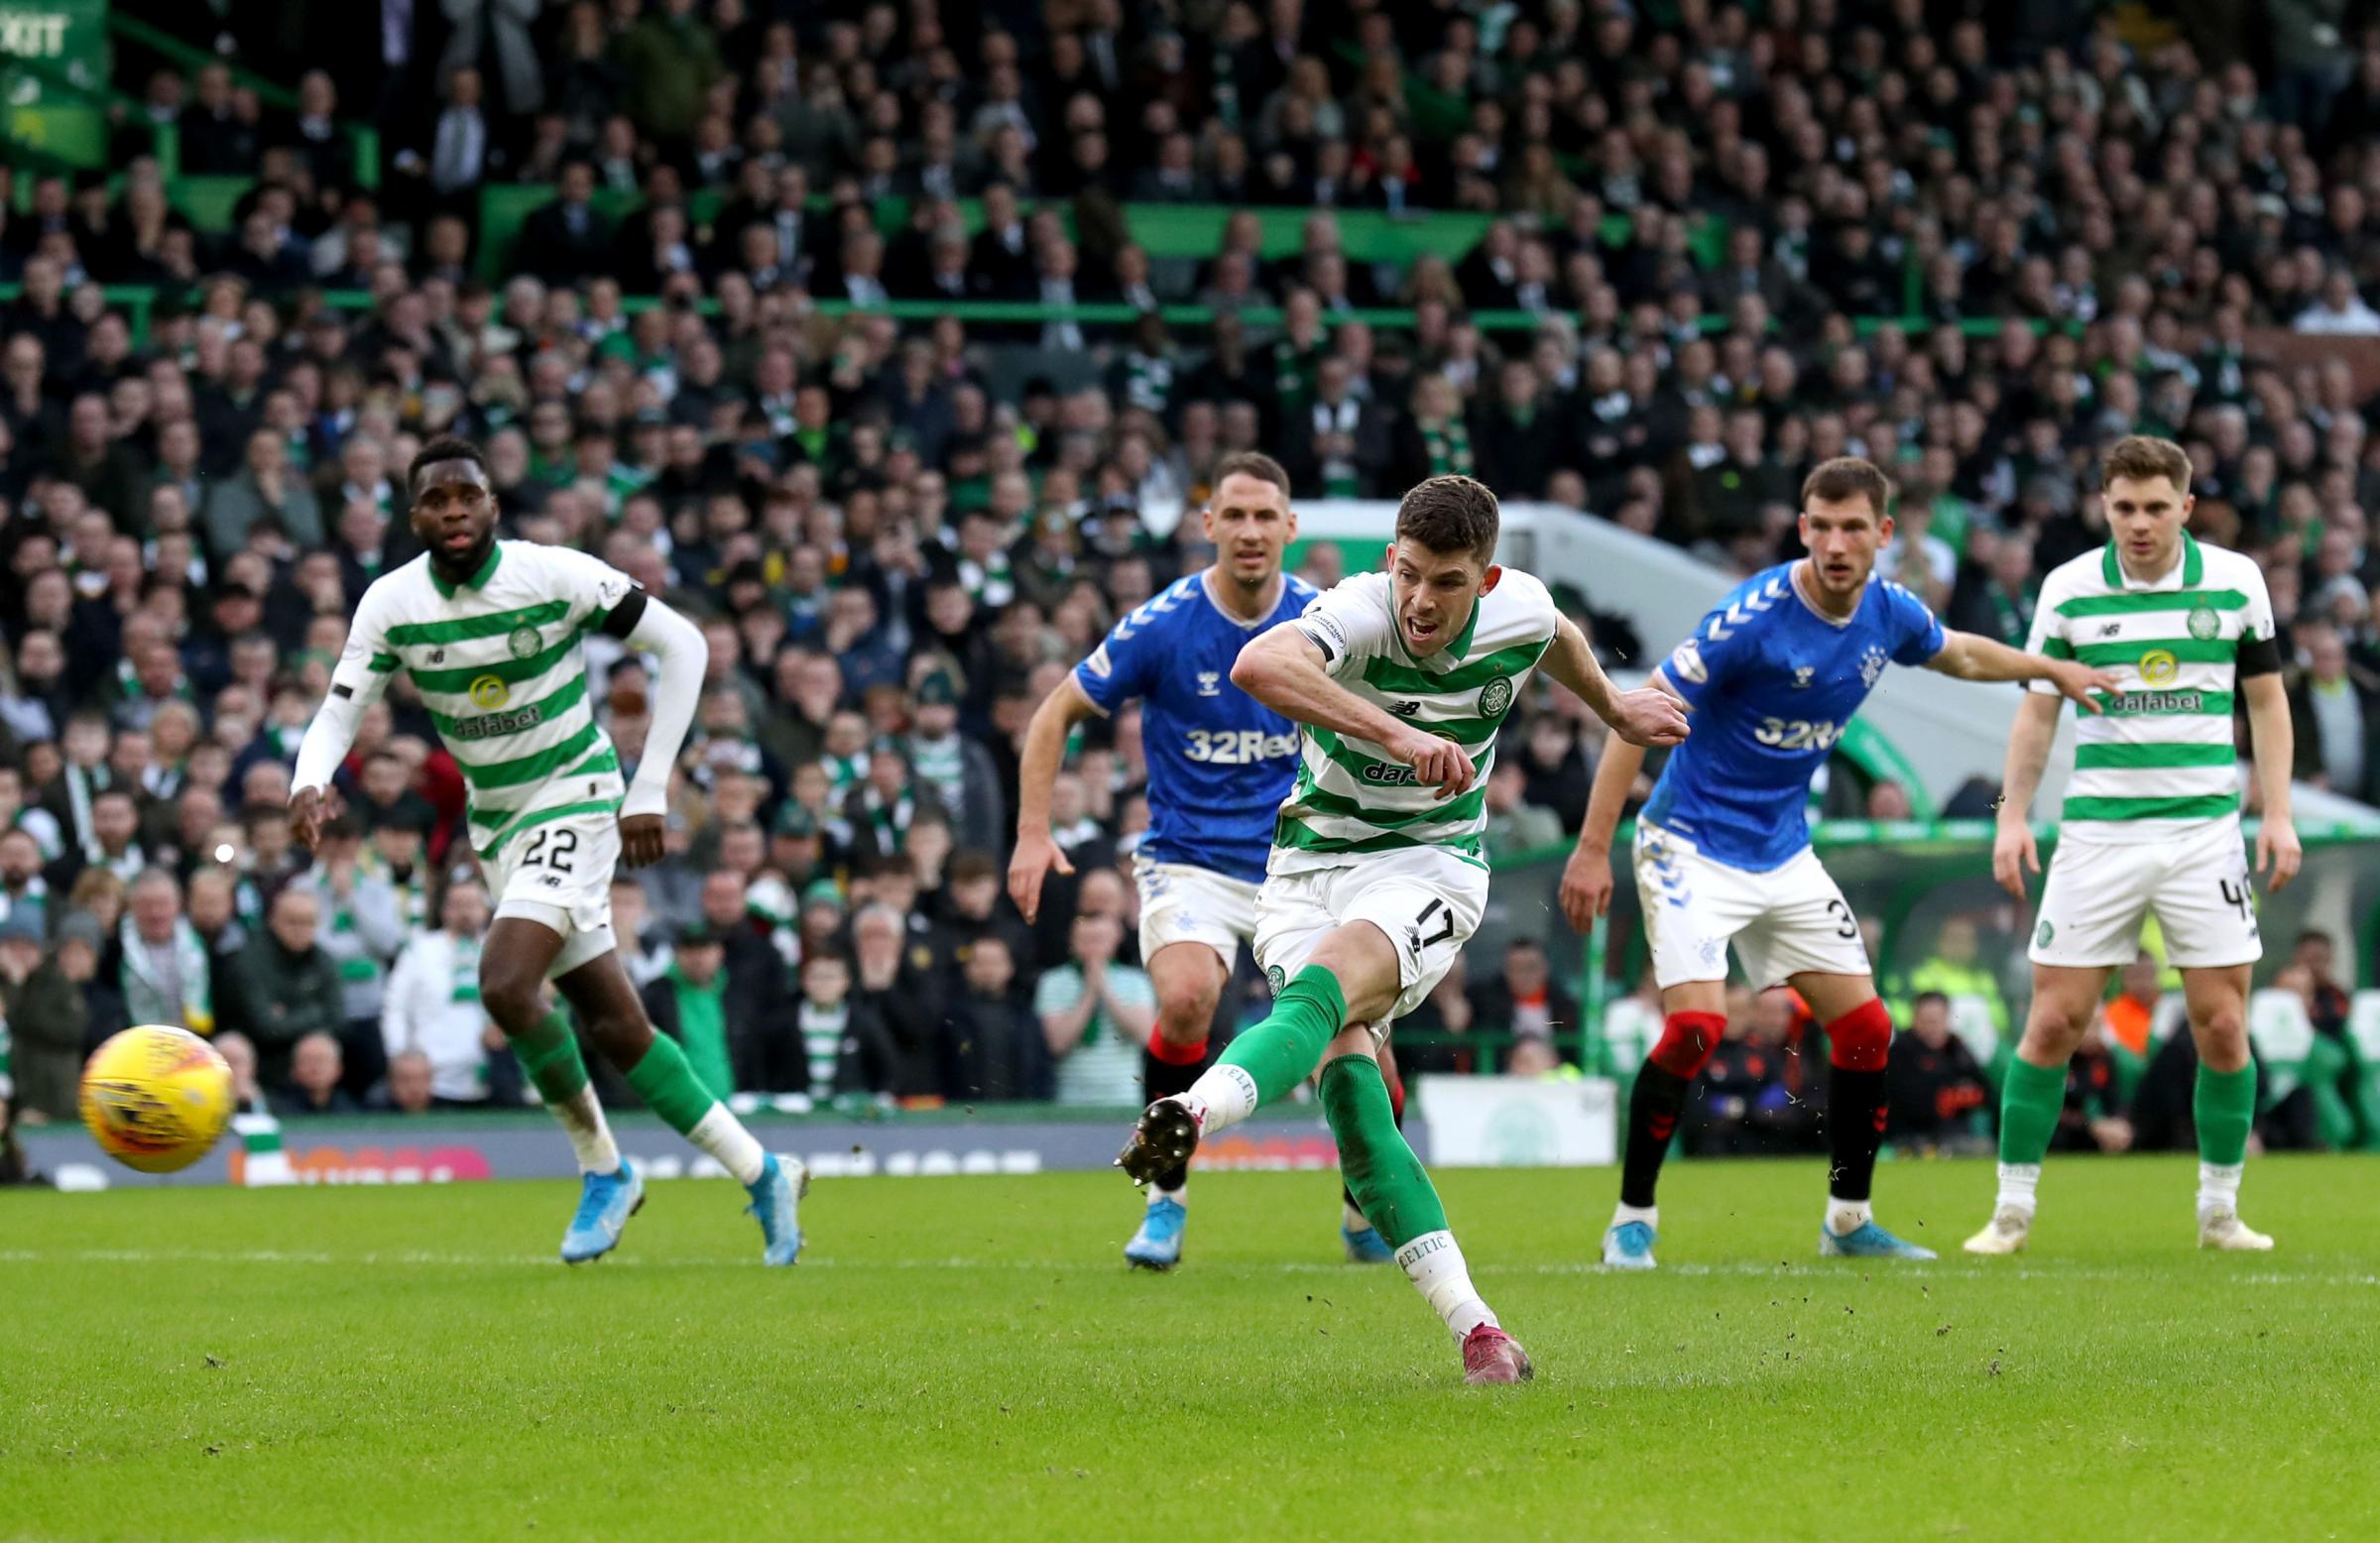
1845 1216
1351 1219
2018 1180
1222 1097
2219 1186
1435 1266
722 1137
1624 1212
582 1117
1180 1196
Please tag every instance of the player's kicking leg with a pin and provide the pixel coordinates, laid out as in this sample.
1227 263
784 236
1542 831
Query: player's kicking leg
1352 977
513 968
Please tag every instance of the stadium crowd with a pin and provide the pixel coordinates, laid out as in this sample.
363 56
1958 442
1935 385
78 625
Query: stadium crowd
1972 242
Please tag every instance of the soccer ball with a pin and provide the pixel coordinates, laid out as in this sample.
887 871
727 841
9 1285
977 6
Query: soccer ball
156 1098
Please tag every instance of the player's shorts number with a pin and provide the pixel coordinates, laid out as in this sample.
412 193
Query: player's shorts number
2238 896
1845 924
552 848
1445 930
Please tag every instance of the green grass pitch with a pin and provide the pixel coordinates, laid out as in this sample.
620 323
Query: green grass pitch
969 1358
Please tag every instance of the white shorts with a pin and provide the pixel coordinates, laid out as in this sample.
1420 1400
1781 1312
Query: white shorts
2197 885
559 875
1180 903
1783 922
1425 899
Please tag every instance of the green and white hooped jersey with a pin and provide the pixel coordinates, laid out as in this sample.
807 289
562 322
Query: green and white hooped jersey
498 662
2160 759
1351 797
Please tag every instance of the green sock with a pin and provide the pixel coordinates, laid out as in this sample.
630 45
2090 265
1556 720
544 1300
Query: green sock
2030 1104
2223 1105
669 1086
548 1052
1389 1185
1280 1052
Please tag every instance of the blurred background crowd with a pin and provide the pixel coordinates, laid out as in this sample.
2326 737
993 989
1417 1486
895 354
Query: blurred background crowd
835 324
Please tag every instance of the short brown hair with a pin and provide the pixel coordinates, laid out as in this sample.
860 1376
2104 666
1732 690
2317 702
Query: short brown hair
1848 477
1253 463
1450 515
2141 457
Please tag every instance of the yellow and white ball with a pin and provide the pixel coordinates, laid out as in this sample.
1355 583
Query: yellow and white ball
156 1098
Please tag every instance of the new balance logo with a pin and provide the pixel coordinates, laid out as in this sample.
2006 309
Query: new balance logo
437 655
2110 629
1404 709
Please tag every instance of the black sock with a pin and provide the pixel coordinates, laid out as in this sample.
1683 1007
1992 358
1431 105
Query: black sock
1163 1080
1653 1107
1855 1130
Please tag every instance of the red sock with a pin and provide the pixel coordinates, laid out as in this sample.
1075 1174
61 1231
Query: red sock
1687 1040
1177 1055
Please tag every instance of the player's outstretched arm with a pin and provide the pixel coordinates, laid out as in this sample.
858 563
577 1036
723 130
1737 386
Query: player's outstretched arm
1586 877
1037 852
1646 716
356 681
678 647
2277 850
2013 853
1284 670
1972 656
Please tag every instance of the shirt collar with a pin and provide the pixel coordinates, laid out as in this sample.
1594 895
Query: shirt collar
2193 568
479 576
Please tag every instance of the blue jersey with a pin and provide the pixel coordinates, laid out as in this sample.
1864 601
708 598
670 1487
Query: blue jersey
1773 684
1220 761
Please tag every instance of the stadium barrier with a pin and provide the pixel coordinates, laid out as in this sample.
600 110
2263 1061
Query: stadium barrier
462 1148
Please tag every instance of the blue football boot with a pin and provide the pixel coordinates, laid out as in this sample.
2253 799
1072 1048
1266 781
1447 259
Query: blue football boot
1158 1243
1866 1242
774 1196
1629 1245
605 1203
1365 1246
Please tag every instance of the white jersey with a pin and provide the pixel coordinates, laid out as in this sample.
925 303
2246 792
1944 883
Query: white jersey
1351 797
498 661
2160 762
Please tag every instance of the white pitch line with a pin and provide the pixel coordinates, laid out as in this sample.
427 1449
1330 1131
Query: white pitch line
1745 1270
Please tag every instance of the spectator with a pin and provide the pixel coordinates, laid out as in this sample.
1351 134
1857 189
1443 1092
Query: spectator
1956 973
2334 713
1937 1085
285 987
893 987
431 1010
314 1077
159 959
2092 1120
845 1045
411 1088
566 240
690 1002
43 1016
1096 1015
363 930
999 1051
1525 1001
1514 825
265 490
2130 1016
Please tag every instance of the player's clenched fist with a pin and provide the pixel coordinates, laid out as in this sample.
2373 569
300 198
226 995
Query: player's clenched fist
1436 763
1649 716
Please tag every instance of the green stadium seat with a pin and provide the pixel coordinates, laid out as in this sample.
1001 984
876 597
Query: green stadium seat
208 202
2284 1038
